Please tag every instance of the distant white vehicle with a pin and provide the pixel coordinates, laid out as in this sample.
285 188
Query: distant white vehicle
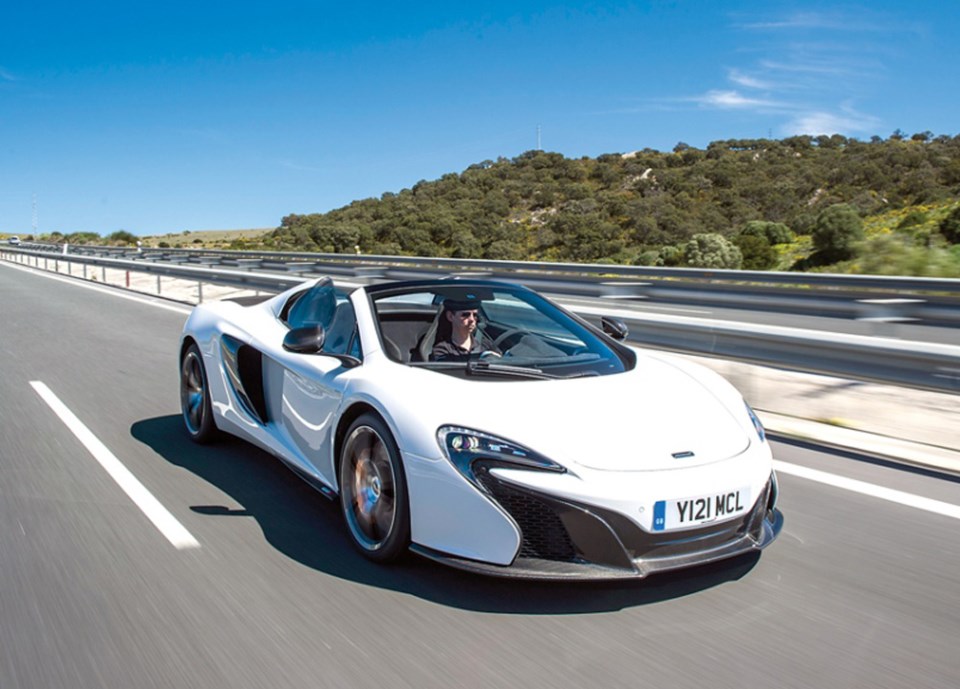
14 240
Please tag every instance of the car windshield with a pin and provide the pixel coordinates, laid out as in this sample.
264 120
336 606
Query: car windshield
489 330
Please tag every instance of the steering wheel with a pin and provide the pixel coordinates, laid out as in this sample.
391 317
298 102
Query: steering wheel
507 335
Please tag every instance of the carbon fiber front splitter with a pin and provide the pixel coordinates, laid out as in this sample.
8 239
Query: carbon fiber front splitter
582 570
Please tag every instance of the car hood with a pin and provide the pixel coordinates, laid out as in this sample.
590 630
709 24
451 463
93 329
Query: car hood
654 417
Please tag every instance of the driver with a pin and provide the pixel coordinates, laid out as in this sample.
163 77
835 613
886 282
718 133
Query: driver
458 336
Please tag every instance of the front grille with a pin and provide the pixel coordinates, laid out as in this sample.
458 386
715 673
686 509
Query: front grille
543 534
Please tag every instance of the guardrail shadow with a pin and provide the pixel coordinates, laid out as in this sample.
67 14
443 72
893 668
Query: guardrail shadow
305 526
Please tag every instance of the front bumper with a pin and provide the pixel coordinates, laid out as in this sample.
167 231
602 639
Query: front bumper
562 539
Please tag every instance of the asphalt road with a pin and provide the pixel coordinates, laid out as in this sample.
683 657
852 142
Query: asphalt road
857 592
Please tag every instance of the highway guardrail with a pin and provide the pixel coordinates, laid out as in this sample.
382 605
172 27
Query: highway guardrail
920 365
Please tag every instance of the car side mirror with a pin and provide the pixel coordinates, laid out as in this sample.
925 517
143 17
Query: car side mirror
307 340
310 340
614 327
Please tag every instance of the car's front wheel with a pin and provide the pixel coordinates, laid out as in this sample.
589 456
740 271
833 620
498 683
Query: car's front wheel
373 490
195 401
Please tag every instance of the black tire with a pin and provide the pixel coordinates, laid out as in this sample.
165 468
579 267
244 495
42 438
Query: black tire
195 403
373 490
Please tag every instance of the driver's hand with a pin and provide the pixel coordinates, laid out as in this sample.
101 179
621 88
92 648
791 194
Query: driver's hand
489 354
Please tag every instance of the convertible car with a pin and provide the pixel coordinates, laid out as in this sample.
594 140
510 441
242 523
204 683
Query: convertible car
548 449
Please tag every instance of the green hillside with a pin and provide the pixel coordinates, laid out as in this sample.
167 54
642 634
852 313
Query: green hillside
799 203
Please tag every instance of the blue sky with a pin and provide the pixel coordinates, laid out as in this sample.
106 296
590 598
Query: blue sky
229 115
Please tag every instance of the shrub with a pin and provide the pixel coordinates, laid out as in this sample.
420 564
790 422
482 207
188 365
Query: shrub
950 227
912 219
669 256
711 250
772 232
837 229
757 253
647 258
122 237
891 255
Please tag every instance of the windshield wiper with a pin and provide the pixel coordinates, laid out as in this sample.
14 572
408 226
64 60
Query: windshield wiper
484 367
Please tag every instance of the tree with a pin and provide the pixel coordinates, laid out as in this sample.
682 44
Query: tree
84 238
122 237
757 253
771 232
711 250
669 256
647 258
837 229
584 237
504 250
323 233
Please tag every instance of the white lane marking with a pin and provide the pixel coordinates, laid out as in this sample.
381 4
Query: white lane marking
149 505
898 496
119 292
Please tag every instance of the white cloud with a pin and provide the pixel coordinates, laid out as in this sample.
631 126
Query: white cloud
815 67
746 80
819 122
729 100
7 76
801 72
803 20
833 21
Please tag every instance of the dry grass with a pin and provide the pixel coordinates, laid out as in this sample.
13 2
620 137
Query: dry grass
204 238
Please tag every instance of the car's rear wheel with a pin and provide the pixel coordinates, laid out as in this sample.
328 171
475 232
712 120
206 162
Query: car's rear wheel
373 490
195 397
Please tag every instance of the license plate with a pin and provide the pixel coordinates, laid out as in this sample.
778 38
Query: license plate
687 512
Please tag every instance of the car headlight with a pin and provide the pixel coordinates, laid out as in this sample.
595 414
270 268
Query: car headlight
464 447
756 423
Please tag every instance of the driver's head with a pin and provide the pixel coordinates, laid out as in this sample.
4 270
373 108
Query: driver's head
462 315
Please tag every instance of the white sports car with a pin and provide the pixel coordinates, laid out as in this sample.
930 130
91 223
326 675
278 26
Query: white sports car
481 425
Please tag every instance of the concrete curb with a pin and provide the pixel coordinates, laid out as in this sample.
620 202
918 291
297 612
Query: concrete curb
896 449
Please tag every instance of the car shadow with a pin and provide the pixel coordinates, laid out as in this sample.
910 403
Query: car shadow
294 518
